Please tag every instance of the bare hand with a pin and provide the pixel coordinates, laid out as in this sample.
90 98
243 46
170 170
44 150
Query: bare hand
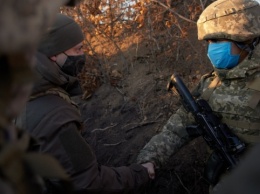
150 168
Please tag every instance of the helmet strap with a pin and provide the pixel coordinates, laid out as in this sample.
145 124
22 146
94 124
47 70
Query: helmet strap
252 47
249 47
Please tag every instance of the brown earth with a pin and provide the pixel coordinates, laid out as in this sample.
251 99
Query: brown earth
131 103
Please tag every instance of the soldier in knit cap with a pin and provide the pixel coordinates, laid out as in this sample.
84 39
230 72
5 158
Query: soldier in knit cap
54 119
232 30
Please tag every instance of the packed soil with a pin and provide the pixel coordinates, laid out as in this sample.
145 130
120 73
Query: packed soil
130 103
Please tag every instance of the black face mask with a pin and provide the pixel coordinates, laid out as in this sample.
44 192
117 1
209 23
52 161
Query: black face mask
74 64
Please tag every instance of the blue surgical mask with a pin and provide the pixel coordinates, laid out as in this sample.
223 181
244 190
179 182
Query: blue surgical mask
220 55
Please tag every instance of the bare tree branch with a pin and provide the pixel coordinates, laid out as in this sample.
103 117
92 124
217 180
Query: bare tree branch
169 9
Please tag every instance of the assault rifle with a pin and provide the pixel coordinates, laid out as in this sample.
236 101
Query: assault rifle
226 145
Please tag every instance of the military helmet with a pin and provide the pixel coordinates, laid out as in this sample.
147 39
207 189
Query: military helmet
237 20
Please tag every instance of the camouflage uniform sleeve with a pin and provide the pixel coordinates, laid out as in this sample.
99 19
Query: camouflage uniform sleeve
174 134
172 137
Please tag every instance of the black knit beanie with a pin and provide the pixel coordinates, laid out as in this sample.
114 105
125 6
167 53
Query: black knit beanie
64 34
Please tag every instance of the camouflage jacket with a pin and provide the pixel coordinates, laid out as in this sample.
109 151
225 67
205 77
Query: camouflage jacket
235 98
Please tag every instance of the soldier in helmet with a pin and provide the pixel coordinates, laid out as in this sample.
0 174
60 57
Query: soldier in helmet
232 30
54 119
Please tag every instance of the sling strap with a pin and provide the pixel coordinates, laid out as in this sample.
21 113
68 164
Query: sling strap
241 124
212 86
58 92
254 85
